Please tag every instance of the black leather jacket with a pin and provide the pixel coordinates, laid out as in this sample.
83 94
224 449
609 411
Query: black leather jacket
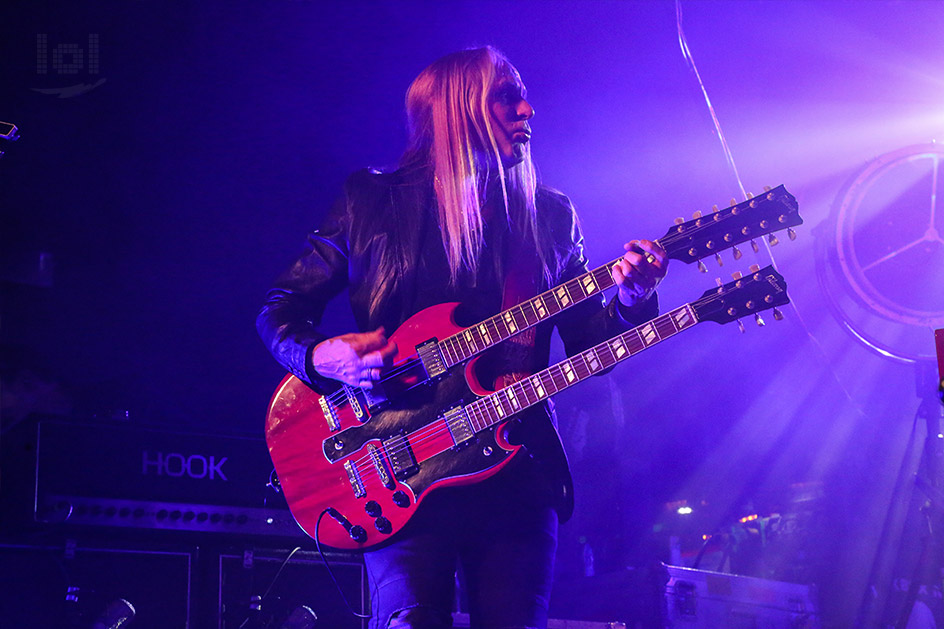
381 242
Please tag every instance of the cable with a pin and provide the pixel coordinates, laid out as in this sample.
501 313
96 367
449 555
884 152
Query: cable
686 52
272 583
327 566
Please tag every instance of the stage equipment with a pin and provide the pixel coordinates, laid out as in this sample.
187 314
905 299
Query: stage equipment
74 585
461 621
939 345
8 131
671 596
302 618
119 613
698 598
128 476
880 250
261 589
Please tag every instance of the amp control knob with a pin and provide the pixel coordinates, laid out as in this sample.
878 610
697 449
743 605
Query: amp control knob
358 534
373 508
400 498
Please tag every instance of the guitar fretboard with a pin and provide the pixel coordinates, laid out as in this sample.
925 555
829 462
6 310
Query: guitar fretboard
500 405
461 346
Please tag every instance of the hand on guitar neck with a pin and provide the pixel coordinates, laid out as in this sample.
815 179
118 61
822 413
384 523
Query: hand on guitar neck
356 358
639 271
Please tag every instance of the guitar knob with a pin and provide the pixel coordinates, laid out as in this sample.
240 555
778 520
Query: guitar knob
358 534
401 499
383 525
373 508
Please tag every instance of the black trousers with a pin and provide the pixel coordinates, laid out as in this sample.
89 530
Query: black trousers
501 536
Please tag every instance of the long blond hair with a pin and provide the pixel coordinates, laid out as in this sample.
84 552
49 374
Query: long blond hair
450 133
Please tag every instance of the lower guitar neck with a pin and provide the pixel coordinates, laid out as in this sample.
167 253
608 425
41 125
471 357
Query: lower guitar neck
498 406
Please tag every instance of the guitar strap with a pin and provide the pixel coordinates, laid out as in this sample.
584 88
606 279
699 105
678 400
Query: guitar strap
521 283
514 362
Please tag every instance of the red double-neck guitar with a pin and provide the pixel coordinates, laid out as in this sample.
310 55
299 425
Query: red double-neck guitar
364 459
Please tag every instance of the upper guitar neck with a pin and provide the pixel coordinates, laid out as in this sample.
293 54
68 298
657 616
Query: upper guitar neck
688 242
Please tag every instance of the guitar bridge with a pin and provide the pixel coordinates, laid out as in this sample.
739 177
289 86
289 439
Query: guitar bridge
382 472
355 479
431 358
327 409
401 456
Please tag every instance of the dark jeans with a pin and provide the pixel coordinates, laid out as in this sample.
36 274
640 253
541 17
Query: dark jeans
502 536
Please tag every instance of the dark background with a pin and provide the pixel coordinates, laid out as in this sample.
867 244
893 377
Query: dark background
165 199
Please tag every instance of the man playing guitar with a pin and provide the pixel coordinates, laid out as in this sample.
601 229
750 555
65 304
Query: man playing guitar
462 219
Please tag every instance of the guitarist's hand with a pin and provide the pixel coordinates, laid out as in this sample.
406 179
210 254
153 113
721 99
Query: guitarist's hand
640 271
355 359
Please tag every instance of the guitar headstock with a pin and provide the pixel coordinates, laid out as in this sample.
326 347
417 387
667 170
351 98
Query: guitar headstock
707 235
760 290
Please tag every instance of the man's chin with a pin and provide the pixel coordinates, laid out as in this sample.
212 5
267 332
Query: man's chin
518 155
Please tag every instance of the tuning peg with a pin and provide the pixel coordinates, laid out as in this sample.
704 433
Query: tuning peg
754 246
792 234
778 316
737 253
741 326
679 220
702 267
754 268
718 258
767 188
696 214
714 208
772 239
734 201
749 195
759 320
737 275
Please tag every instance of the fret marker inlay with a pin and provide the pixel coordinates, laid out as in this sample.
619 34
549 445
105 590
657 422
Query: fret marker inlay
649 334
568 372
510 322
618 348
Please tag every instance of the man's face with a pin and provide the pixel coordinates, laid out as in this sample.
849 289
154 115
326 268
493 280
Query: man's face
510 115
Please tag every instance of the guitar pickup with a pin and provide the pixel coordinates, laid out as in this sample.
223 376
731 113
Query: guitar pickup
382 472
401 456
375 397
457 421
431 358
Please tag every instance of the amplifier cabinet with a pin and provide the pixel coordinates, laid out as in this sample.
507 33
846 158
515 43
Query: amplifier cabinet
261 588
137 477
72 586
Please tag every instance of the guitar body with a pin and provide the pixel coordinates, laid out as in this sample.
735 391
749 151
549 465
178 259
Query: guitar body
373 472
